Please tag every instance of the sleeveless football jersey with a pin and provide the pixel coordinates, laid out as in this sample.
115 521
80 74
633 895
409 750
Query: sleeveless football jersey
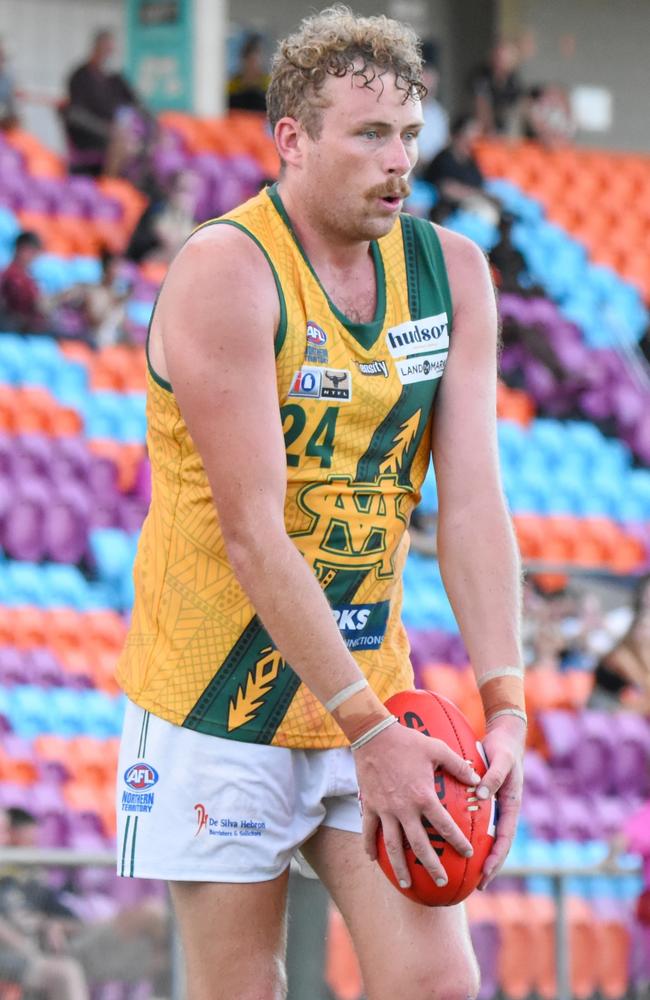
356 404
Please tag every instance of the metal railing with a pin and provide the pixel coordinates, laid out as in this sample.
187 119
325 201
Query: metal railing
68 858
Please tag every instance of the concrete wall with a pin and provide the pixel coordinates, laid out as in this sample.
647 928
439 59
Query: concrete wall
604 43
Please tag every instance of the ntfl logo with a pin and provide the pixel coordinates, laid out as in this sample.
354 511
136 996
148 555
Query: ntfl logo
140 776
316 335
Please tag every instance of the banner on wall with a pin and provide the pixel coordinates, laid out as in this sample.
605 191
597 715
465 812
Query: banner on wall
159 52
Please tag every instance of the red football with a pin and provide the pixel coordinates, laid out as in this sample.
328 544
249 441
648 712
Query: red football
437 716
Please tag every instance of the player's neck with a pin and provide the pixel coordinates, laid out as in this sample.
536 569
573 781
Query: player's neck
324 247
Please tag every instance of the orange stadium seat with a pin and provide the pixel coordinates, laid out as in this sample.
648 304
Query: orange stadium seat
76 350
342 973
30 627
444 680
17 770
126 457
612 957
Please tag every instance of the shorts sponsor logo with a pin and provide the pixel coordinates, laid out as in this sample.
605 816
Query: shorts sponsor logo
363 626
140 776
307 382
421 369
373 368
337 384
315 334
226 826
420 336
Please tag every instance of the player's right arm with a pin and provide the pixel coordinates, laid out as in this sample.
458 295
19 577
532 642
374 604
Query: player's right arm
214 333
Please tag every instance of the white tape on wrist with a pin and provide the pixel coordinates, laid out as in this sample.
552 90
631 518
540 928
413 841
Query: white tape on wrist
345 693
509 711
501 672
375 731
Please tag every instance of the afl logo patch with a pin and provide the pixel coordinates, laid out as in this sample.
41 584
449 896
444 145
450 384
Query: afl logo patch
316 335
140 776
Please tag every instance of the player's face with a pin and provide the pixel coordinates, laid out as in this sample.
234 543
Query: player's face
356 171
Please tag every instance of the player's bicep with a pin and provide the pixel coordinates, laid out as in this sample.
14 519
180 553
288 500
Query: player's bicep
464 445
218 315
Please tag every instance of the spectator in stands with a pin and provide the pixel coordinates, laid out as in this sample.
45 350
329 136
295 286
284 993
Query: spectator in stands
622 676
167 222
105 304
8 116
96 98
131 947
247 88
456 174
22 960
434 134
22 307
547 117
497 91
634 837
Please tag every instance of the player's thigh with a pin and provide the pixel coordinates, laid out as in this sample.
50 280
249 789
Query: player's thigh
234 938
405 950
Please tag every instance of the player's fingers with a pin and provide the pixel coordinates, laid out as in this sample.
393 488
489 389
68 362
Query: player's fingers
444 825
420 842
369 828
499 769
394 844
506 828
450 761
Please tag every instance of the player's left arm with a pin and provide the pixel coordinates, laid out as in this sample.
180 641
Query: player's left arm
477 550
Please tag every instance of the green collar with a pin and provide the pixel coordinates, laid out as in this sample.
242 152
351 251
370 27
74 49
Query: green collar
365 333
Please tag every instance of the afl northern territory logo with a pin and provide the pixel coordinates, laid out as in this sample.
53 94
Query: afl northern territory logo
140 776
316 335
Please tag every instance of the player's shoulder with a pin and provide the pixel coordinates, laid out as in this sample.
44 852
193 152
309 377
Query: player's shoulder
224 257
467 266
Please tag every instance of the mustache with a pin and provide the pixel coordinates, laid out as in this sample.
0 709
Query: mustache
400 189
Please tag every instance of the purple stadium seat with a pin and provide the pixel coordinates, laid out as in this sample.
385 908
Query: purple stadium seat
102 476
561 733
575 819
43 668
66 524
541 816
15 795
594 752
143 481
131 512
631 759
13 669
70 458
32 456
486 941
538 775
22 531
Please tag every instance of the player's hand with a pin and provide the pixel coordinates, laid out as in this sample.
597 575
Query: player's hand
504 743
395 772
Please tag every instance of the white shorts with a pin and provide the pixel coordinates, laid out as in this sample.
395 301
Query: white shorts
199 808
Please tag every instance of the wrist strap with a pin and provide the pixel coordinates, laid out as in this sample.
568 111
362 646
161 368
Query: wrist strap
345 693
375 731
508 711
502 672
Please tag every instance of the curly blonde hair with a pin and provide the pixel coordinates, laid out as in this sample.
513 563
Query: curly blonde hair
336 42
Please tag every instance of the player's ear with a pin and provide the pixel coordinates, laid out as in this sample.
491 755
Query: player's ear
289 137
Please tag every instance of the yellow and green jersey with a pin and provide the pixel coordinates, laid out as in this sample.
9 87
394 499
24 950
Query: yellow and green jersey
356 403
